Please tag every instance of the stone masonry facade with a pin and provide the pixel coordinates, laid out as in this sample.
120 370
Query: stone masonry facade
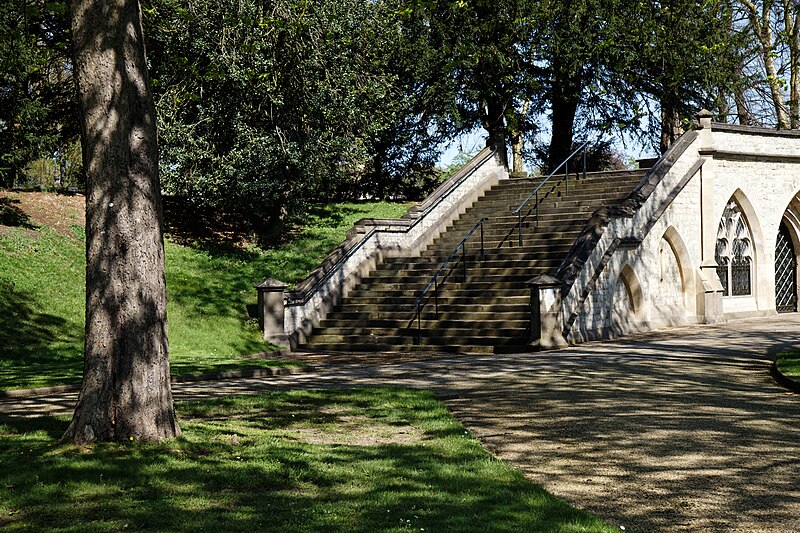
659 265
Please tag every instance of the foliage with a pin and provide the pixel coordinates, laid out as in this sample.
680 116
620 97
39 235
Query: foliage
351 460
265 107
486 53
611 64
682 75
37 110
208 291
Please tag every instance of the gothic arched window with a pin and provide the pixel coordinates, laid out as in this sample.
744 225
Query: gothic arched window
734 252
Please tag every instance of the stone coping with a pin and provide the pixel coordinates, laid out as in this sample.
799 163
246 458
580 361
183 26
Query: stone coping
367 227
594 228
754 130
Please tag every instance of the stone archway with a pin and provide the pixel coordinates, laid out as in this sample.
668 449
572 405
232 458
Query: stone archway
627 303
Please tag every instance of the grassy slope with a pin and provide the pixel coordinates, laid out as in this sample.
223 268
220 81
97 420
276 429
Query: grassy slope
298 461
42 276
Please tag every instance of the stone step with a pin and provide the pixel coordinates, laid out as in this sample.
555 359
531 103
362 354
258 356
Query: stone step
461 313
428 324
600 191
410 330
490 261
459 298
399 348
445 291
411 338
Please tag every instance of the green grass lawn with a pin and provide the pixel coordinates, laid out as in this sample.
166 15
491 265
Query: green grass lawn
789 364
361 460
42 277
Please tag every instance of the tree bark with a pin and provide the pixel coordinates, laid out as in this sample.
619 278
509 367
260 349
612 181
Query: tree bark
126 390
516 136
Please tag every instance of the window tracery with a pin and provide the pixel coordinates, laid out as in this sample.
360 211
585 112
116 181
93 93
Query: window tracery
734 252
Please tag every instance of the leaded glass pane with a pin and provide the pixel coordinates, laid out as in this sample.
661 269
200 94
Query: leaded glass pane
785 273
740 278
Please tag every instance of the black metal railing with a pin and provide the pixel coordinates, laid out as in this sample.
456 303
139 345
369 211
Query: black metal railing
535 194
436 283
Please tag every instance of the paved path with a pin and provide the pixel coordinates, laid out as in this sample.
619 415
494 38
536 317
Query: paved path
676 430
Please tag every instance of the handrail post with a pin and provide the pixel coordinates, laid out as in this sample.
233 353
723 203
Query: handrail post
483 256
436 294
464 260
537 209
584 161
419 325
519 223
566 177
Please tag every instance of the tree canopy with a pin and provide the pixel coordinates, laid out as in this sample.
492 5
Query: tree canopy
264 107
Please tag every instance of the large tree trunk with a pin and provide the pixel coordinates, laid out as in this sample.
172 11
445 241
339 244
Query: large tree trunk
126 384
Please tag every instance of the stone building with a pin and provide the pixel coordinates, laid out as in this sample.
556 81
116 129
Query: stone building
713 235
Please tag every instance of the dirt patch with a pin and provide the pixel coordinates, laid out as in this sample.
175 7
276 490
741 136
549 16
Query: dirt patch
31 210
185 223
354 429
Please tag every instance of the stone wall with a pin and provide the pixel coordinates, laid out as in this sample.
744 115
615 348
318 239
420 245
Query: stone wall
654 262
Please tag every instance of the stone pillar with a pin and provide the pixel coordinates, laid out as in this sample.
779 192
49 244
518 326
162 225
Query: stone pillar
270 310
709 297
547 325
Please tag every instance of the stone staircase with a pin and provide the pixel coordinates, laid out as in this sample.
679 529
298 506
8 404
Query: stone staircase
489 311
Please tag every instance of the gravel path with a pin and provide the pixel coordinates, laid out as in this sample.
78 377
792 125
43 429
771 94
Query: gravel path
681 429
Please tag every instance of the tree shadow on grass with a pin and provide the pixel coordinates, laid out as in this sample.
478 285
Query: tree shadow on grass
34 345
261 481
12 215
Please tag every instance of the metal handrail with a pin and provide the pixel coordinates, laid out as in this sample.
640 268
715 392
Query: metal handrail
419 305
565 164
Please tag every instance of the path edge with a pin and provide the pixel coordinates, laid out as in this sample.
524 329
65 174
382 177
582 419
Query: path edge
186 378
782 379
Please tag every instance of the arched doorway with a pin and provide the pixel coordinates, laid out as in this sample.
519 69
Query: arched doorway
785 272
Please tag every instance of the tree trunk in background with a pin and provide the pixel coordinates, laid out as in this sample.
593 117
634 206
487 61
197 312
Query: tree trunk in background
742 110
761 24
792 35
126 384
495 126
670 125
566 96
518 165
516 119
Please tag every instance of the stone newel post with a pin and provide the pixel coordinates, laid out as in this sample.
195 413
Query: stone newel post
547 325
270 310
